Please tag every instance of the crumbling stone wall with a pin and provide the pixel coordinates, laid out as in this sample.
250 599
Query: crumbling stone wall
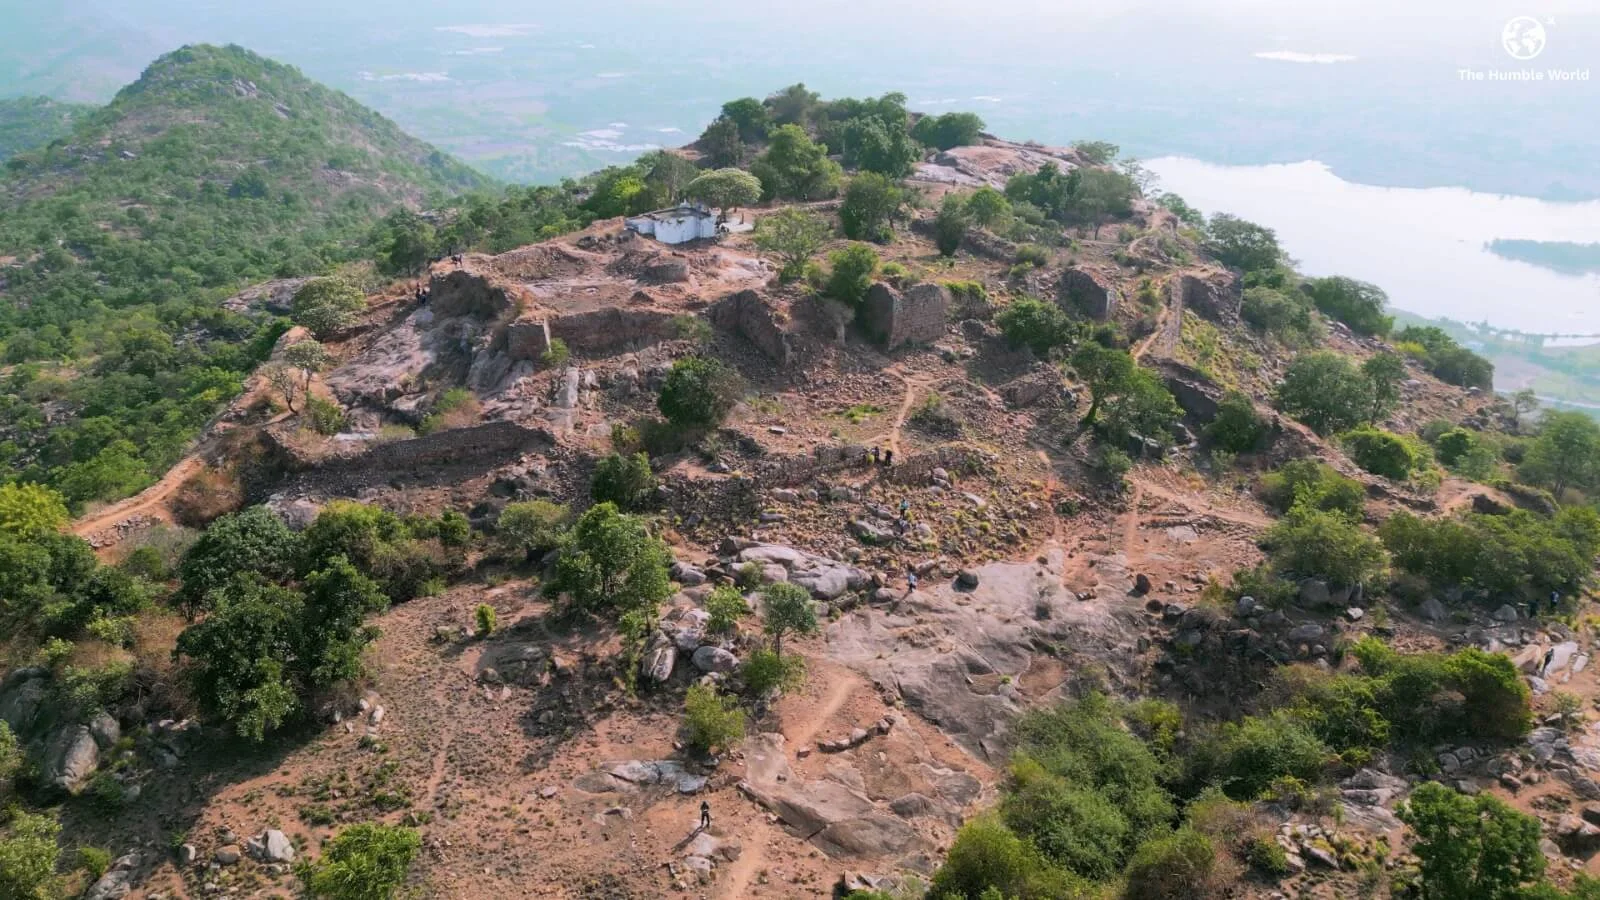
750 316
1217 296
614 329
1084 292
917 316
462 293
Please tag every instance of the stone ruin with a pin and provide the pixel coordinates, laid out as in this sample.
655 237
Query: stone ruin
916 316
1214 295
1084 292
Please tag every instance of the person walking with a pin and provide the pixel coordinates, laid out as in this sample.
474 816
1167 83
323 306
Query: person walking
1555 601
705 814
877 454
888 457
911 581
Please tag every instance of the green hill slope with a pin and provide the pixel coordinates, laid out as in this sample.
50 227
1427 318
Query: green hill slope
30 122
216 168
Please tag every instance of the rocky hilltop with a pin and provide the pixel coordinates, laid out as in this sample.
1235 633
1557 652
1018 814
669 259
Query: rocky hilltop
1067 548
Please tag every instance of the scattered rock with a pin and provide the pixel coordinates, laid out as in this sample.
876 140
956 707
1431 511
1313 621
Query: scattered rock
1141 584
1506 613
226 856
1432 610
714 659
967 578
271 845
117 881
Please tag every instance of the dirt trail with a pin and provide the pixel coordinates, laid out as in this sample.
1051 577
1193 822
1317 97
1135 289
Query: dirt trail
151 502
1168 330
1197 503
838 692
737 883
892 437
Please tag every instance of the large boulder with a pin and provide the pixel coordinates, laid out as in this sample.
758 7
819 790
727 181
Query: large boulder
22 697
117 881
659 660
71 759
1217 296
714 659
271 845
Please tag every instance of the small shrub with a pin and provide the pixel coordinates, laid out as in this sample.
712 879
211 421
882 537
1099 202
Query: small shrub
1384 453
1237 428
725 606
94 861
1033 256
937 417
1318 544
896 274
1315 484
624 480
324 416
1173 867
364 862
765 670
1112 464
525 529
484 620
556 355
1264 854
713 721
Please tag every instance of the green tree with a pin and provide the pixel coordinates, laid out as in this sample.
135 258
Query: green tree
793 236
871 202
406 243
1241 244
241 655
698 393
618 191
793 105
1109 374
950 227
610 563
28 855
1315 543
338 599
1140 406
624 480
1237 427
1471 848
883 148
1288 316
767 670
363 862
988 207
1355 303
952 129
1385 372
851 273
327 306
1179 207
1036 324
1102 194
787 608
668 176
1325 391
1523 402
750 117
726 188
794 167
30 510
986 857
721 144
1565 453
254 540
1097 153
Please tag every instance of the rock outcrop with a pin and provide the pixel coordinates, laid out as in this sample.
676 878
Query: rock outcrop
1217 296
1088 294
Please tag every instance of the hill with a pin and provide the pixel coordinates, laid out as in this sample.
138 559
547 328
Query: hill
216 168
30 122
974 517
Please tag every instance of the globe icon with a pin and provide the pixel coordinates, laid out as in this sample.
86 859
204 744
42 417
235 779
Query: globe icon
1523 37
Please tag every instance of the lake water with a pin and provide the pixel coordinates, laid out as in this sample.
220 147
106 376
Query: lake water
1425 247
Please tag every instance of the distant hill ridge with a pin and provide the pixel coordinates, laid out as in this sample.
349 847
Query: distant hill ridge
217 168
27 123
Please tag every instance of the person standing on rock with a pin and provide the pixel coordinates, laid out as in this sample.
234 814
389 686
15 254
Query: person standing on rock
911 581
705 814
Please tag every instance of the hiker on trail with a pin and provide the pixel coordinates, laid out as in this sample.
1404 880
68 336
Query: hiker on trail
888 457
1545 667
1533 609
1555 601
876 453
705 814
911 580
905 510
